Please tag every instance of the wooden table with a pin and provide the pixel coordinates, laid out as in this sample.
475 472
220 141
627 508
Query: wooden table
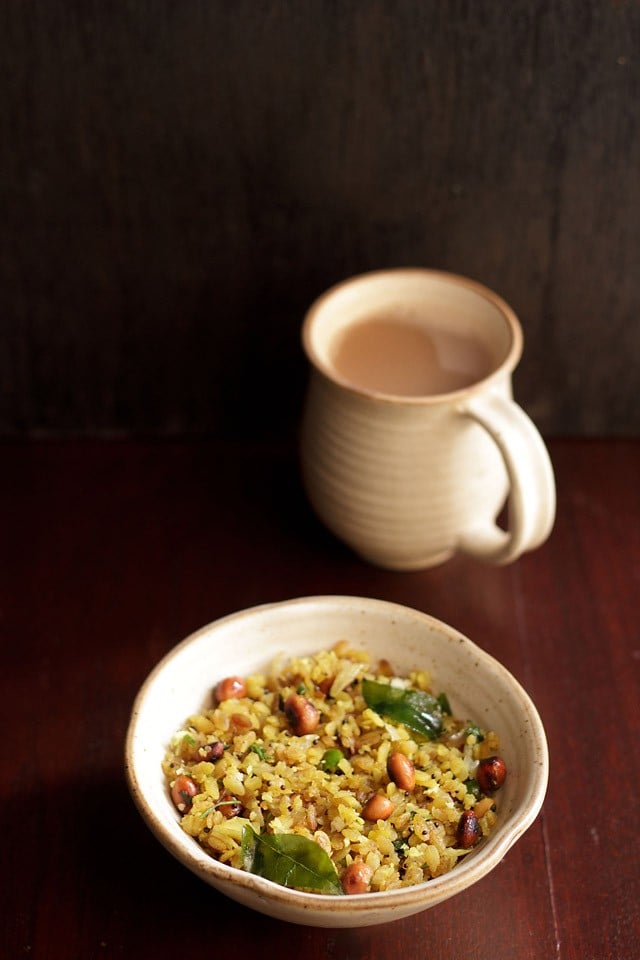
112 552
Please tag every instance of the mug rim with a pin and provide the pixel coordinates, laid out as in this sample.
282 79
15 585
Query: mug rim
507 365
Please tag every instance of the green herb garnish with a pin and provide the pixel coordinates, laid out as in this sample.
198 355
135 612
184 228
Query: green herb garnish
475 731
443 700
214 806
401 845
189 740
331 759
418 710
261 752
290 860
473 787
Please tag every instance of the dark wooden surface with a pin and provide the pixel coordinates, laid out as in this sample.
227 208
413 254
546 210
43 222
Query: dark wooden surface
179 180
112 552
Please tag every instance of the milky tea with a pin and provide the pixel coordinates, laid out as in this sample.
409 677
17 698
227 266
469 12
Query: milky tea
411 441
400 357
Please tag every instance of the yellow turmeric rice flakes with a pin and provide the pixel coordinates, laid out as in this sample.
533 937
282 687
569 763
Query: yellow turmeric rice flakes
352 778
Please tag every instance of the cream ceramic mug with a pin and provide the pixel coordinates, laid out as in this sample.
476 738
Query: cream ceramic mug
411 441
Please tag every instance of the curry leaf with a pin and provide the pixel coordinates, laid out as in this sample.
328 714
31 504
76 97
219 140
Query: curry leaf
443 700
418 710
290 860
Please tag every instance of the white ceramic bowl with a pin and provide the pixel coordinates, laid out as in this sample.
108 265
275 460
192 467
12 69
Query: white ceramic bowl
477 685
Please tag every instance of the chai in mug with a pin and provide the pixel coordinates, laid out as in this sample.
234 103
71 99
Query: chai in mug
411 441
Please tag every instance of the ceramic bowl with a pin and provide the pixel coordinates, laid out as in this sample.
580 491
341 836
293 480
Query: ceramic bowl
477 685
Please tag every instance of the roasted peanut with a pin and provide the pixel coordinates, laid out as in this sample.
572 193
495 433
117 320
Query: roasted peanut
325 685
301 714
229 806
357 877
385 669
402 771
377 807
469 830
182 793
491 774
211 751
239 723
231 688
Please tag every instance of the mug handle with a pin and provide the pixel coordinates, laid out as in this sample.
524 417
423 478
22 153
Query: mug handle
532 494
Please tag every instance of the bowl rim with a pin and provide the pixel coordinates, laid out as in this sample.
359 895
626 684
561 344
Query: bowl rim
191 855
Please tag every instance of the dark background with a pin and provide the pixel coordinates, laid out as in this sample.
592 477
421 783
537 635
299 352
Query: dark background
178 180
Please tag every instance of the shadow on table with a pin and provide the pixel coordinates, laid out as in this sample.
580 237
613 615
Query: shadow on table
139 898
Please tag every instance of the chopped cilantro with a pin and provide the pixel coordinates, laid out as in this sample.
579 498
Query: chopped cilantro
475 731
401 846
473 788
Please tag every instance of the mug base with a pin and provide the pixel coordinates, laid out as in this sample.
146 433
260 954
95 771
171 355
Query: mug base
406 564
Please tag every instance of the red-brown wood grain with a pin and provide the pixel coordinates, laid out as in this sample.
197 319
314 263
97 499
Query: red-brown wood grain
112 552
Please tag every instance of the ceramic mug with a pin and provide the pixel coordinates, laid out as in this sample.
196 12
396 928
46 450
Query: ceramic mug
411 442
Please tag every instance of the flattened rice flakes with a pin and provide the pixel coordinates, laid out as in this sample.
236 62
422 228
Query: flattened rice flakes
250 768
